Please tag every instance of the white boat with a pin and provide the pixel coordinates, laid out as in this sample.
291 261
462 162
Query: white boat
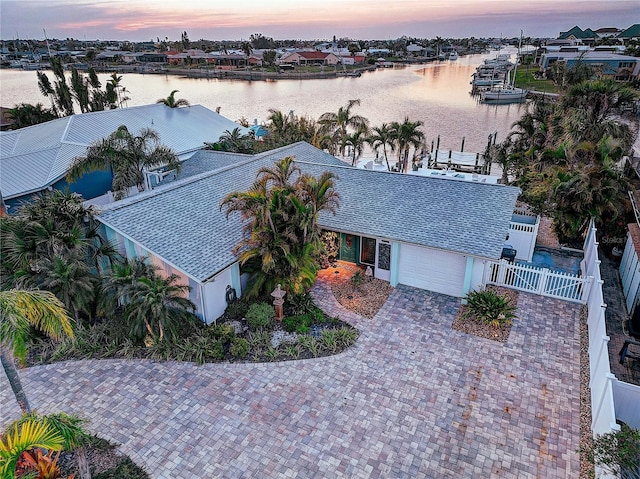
453 55
507 93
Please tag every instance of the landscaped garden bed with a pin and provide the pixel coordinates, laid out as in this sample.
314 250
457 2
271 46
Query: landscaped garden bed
362 295
491 325
247 332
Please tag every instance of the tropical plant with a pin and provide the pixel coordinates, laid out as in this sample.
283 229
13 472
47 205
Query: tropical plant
407 135
25 436
19 311
281 236
239 348
156 305
236 142
171 101
489 307
338 125
25 114
382 136
128 156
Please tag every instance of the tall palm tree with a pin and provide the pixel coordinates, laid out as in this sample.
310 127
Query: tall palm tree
281 237
128 156
339 125
356 142
19 311
382 136
407 135
171 101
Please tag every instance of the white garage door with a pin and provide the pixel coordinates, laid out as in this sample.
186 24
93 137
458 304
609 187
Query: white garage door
433 270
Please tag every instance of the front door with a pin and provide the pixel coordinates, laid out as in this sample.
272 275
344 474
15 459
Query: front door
349 247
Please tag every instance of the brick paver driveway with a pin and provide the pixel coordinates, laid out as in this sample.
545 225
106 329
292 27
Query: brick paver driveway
412 399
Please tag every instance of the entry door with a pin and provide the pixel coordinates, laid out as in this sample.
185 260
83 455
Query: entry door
349 247
383 260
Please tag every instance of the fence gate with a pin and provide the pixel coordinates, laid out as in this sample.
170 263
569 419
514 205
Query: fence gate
536 280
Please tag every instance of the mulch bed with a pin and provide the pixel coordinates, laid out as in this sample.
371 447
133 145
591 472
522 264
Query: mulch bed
477 328
366 299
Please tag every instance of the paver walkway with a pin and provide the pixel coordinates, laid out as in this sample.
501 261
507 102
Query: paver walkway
412 399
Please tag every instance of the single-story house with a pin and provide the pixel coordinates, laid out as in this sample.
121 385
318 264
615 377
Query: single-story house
38 157
429 233
612 65
310 58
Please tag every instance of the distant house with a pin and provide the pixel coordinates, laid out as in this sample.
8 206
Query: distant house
152 57
611 65
38 157
189 57
309 58
631 33
576 33
430 233
607 32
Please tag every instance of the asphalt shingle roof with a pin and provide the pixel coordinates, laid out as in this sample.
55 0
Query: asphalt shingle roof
34 157
183 224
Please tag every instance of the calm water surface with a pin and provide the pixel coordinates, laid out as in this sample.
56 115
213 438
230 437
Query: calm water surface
438 94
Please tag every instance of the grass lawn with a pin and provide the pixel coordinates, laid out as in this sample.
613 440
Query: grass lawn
525 79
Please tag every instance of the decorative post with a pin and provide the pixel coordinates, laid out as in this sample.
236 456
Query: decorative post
278 301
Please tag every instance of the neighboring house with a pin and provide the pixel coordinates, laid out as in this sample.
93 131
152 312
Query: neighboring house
38 157
611 65
189 57
607 32
310 58
631 33
152 57
576 33
430 233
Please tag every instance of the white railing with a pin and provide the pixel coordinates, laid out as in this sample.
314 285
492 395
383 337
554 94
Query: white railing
536 280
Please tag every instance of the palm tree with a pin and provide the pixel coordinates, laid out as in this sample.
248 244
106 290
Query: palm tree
19 311
407 135
25 114
338 125
281 236
156 305
588 110
171 102
235 141
128 156
355 142
382 136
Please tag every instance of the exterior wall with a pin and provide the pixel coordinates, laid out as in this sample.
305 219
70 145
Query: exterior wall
214 294
630 275
209 298
523 231
90 186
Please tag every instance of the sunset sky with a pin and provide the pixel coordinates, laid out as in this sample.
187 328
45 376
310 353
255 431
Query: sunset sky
139 20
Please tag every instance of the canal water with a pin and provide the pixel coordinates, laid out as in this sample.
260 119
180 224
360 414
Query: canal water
438 94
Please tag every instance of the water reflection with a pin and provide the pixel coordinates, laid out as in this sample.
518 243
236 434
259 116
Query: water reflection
437 94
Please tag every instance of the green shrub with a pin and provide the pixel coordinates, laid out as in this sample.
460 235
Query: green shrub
237 310
299 304
222 331
300 324
260 316
239 348
617 449
358 278
347 336
489 307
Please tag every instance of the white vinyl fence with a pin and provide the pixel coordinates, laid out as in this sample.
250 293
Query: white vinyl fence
536 280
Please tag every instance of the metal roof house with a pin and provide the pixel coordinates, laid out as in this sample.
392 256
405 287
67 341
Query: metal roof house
425 232
38 157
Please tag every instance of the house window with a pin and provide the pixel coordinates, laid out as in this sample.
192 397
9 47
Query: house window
368 251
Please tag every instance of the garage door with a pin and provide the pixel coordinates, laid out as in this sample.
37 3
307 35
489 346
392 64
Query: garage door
430 269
